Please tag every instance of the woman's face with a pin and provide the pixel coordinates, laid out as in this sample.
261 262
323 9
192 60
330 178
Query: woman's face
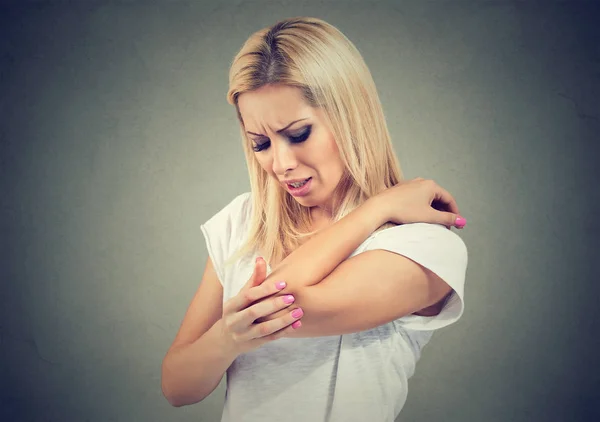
292 143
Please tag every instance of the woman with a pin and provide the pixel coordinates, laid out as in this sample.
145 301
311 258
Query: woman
362 267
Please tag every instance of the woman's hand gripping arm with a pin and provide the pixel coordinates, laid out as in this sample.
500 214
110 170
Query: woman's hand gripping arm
213 334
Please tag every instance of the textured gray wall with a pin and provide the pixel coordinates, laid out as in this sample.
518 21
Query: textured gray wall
117 143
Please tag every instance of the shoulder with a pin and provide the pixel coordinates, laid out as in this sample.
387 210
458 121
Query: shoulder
231 220
240 203
234 210
225 230
432 246
422 229
419 235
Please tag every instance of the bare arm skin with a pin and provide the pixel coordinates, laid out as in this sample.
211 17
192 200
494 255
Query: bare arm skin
198 345
363 292
338 296
214 333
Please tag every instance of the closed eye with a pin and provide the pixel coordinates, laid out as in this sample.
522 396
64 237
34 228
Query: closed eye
261 146
302 137
295 139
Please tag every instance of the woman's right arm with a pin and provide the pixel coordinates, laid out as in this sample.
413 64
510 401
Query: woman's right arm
199 355
213 334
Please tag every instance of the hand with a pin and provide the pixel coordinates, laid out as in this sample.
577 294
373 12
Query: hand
240 313
419 201
277 314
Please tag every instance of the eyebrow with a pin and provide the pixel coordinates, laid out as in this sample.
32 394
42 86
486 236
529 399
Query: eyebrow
280 130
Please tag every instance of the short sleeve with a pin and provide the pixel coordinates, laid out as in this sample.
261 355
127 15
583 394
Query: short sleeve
439 250
223 232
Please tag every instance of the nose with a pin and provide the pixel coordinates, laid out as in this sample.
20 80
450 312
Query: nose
284 158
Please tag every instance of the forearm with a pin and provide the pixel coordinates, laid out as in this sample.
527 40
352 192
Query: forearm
319 256
191 372
366 291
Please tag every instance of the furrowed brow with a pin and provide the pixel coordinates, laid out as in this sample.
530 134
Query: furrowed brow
280 130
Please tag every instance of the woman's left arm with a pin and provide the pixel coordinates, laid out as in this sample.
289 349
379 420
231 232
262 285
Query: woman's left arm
340 295
364 292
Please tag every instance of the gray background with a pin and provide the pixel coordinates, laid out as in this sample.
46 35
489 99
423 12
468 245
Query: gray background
117 143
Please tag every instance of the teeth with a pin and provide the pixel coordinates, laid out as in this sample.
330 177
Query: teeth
298 184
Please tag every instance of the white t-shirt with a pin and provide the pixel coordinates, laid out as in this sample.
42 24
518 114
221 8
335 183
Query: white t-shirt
353 377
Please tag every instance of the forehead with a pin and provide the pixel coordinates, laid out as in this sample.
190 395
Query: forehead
273 106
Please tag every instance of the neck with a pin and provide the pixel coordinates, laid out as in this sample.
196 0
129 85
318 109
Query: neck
320 218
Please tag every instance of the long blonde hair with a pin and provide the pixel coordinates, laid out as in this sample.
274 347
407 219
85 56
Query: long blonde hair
314 56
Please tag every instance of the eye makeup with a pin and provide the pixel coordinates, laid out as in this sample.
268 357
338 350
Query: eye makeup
294 139
302 136
258 147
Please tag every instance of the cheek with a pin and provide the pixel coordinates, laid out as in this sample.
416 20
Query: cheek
332 161
326 154
264 162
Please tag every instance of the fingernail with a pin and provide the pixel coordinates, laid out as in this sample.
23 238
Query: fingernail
460 221
258 258
296 324
297 313
288 299
280 285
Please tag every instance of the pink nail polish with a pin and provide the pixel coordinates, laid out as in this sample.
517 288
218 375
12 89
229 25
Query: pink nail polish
460 221
288 299
296 324
280 285
297 313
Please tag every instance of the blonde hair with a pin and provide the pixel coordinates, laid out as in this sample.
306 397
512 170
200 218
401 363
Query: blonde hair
314 56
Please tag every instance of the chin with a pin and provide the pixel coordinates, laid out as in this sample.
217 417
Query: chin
309 202
305 202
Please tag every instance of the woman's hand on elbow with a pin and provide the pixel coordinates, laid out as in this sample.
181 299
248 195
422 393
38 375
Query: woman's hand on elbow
242 323
281 313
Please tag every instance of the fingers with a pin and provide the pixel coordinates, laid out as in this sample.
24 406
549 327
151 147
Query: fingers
260 272
445 219
451 218
241 311
283 332
258 275
272 330
247 316
442 195
247 296
448 219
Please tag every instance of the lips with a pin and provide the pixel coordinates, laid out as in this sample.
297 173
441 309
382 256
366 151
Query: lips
298 183
302 190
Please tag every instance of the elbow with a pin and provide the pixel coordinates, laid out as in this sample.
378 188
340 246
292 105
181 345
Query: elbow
320 316
179 400
170 390
176 402
165 385
173 399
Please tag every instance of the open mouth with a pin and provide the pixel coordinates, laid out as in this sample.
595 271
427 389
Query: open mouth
298 185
